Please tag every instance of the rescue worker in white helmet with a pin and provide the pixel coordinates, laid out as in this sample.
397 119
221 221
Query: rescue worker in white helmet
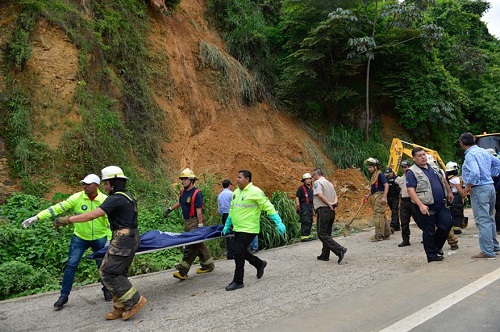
378 200
121 208
304 201
457 206
191 202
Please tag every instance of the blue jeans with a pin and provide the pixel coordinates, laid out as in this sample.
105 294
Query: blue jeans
77 248
483 207
255 243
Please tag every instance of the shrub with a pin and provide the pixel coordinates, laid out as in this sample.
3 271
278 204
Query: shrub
27 280
268 236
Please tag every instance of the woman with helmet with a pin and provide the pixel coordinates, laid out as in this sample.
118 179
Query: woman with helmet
121 208
304 201
378 200
457 206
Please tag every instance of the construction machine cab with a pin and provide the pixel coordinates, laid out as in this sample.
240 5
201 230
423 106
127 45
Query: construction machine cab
489 141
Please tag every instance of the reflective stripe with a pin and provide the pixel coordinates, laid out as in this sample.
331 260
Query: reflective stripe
52 212
246 205
185 265
207 262
128 295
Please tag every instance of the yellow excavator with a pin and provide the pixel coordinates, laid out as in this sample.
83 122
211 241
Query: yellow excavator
400 148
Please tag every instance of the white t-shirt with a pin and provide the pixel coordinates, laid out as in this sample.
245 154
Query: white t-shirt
456 182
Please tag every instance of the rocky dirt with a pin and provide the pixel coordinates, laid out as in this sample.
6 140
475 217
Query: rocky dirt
210 135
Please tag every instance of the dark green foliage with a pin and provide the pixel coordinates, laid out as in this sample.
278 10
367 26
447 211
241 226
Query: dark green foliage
347 147
19 49
27 280
268 236
25 153
247 34
113 94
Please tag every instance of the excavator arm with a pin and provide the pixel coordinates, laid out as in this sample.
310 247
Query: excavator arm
399 148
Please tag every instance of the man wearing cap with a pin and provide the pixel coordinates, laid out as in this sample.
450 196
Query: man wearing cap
121 208
224 204
92 234
304 200
393 198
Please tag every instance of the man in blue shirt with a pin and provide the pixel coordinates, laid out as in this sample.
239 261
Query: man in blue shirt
428 190
477 171
224 203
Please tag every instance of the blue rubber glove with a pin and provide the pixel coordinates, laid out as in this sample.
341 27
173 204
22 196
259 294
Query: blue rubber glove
279 224
227 226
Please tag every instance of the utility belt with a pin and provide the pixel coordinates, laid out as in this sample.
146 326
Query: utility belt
125 231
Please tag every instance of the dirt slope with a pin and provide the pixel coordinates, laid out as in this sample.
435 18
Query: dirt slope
210 133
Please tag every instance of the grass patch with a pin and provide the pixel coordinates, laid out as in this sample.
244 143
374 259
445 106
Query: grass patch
236 79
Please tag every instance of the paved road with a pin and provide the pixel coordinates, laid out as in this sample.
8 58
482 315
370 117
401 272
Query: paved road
377 286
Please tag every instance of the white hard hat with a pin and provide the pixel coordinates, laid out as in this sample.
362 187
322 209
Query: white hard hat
306 176
452 166
492 151
372 162
112 172
91 178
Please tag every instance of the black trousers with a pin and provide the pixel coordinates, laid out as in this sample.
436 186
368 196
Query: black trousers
326 217
457 210
435 228
241 253
407 210
306 219
393 203
229 240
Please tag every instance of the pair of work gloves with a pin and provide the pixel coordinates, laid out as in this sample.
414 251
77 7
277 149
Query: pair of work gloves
58 222
275 217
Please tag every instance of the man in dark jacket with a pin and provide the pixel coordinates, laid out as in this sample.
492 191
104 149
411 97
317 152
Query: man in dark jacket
304 201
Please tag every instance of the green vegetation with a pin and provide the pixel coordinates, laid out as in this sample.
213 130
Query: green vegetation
430 64
42 249
347 148
112 97
337 65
